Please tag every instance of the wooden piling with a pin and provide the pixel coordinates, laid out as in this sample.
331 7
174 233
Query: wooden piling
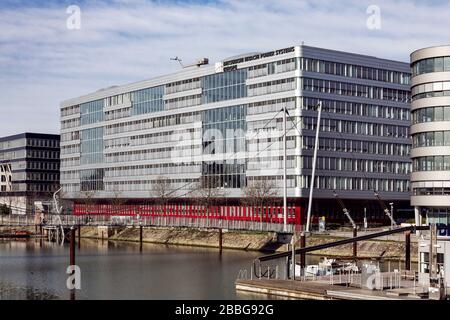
355 245
302 256
408 250
72 246
140 238
220 240
79 237
72 256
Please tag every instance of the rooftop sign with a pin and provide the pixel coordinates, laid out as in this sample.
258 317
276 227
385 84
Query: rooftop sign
231 65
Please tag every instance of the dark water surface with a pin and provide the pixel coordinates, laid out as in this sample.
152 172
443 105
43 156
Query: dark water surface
113 270
36 269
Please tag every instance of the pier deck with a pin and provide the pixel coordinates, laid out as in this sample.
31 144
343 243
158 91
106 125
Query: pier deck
315 290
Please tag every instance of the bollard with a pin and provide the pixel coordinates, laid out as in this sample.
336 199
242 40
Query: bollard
408 251
355 245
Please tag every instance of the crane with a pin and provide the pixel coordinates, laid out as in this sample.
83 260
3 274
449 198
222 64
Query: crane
344 209
385 208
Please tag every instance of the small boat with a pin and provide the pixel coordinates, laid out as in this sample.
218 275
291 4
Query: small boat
326 267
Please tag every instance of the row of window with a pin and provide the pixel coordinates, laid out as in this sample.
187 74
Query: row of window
154 154
429 65
183 102
431 163
67 124
39 176
357 165
271 87
75 148
118 99
153 138
355 184
355 127
432 191
70 136
68 111
431 114
146 185
42 154
45 143
431 139
355 146
354 71
150 123
154 169
184 85
356 108
270 106
355 90
118 114
272 68
38 165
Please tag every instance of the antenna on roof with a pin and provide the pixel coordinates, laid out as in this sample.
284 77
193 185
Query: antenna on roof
177 59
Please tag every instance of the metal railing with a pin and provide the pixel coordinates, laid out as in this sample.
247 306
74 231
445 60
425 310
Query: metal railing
149 221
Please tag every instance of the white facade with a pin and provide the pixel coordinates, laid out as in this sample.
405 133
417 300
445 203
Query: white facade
223 121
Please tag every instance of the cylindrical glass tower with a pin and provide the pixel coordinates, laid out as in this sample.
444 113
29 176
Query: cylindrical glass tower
430 89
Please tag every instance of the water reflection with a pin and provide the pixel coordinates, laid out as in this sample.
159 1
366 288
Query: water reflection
36 269
117 270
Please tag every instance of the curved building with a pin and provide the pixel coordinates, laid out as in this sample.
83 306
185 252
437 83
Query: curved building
430 130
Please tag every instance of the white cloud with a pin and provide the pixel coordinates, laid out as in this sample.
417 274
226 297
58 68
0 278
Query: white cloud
42 62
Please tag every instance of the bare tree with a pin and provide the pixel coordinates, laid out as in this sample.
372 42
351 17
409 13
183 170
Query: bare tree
260 194
162 192
88 198
117 199
208 191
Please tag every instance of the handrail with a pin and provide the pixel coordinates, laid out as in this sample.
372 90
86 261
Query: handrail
340 242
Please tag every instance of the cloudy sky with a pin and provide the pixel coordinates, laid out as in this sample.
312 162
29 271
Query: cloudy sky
42 62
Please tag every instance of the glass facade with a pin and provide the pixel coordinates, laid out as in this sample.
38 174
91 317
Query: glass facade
148 100
224 86
92 180
224 132
92 112
92 146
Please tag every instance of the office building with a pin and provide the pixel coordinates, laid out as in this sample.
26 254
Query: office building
29 170
221 125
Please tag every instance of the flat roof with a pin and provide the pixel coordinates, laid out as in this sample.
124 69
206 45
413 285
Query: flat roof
31 135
